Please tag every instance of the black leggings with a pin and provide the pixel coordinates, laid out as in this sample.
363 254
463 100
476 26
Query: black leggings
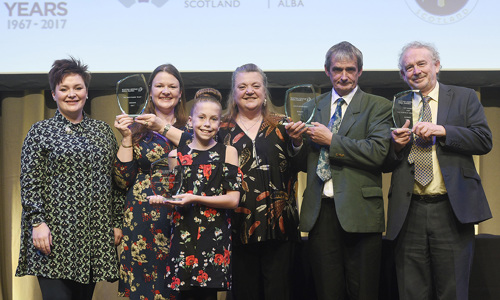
64 289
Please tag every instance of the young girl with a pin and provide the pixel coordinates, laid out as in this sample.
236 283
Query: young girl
199 259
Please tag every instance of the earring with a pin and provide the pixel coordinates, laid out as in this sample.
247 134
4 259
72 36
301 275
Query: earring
265 102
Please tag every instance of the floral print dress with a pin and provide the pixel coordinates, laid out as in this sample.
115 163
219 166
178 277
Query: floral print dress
268 208
200 251
146 229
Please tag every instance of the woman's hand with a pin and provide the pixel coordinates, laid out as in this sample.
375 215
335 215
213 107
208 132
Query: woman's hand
151 122
42 238
182 199
118 235
158 200
155 200
122 123
295 131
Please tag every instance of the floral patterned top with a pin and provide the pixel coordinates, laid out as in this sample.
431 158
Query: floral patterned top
200 251
66 182
146 229
268 208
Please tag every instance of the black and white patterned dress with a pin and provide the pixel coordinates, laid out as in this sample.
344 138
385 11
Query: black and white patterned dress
66 182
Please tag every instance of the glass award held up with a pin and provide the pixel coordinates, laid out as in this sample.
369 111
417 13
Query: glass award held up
166 178
402 108
132 94
295 99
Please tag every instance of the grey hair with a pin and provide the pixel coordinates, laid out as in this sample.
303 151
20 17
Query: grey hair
343 51
418 45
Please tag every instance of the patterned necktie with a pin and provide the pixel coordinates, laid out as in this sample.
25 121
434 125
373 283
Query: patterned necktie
421 150
323 169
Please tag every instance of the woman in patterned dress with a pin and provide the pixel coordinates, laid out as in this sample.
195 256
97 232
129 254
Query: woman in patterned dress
72 212
146 232
265 225
199 261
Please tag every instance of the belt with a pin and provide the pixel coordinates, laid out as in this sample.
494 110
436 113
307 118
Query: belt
429 198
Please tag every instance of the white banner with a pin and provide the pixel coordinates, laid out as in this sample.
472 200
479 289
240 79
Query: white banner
219 35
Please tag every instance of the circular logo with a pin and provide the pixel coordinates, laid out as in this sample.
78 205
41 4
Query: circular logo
441 12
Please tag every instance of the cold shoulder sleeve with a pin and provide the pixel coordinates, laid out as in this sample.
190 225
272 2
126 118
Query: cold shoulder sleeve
232 177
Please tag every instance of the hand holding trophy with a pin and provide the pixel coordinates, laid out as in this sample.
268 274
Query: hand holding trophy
402 108
295 99
132 94
166 178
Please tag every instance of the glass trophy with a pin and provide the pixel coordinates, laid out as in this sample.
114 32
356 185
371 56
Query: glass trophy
166 178
402 108
132 94
295 99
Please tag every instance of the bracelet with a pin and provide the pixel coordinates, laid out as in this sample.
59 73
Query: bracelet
127 146
166 128
35 225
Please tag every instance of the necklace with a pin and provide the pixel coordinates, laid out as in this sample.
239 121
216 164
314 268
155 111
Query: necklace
247 129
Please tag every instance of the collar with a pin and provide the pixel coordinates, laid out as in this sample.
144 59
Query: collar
347 98
71 127
434 94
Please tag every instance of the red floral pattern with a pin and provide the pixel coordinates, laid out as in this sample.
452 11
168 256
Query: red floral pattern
186 160
207 170
200 252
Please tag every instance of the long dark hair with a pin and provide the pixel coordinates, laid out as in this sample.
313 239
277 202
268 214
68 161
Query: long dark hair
140 132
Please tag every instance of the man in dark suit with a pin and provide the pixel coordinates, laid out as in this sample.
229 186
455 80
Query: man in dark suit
436 194
344 211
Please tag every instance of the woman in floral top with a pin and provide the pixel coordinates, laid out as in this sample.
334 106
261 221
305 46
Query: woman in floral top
72 211
146 230
265 225
199 261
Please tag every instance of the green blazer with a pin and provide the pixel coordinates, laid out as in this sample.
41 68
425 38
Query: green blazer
357 153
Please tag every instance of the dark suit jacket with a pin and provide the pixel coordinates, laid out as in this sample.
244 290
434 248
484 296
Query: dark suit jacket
467 134
357 153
